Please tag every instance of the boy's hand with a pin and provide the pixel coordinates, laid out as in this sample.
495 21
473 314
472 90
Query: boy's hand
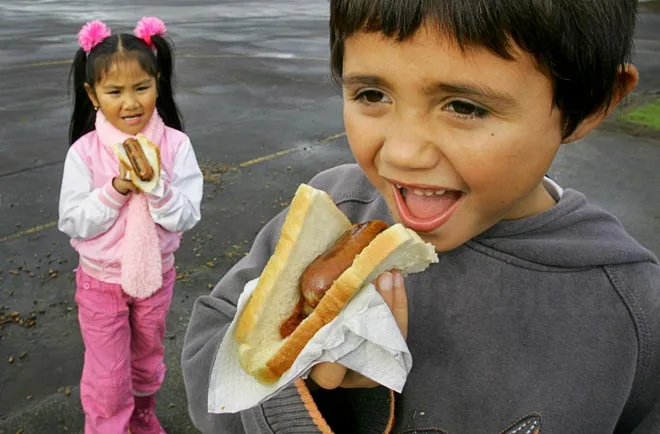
121 184
332 375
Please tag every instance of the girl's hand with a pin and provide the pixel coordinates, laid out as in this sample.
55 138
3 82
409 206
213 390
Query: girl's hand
121 184
332 375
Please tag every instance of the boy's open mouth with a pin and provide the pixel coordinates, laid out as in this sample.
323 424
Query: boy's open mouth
425 209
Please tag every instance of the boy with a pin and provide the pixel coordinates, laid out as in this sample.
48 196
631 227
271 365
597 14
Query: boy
543 315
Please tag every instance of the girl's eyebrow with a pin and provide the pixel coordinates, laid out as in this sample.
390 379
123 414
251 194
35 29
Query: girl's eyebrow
117 86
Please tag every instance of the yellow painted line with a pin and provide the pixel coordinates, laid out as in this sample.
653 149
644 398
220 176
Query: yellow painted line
47 63
286 151
334 137
268 157
28 231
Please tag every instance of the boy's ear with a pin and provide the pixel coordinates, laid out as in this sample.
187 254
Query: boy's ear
91 95
628 79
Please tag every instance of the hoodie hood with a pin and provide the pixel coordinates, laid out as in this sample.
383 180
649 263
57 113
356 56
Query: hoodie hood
573 234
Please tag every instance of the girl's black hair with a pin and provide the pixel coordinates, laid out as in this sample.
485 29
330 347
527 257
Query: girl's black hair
580 45
90 68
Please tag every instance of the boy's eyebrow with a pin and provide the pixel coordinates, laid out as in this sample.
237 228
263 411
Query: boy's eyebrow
363 80
470 90
463 89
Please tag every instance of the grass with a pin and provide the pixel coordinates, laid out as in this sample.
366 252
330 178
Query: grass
647 115
650 6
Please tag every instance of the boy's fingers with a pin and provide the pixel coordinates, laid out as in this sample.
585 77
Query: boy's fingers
385 287
328 375
353 380
399 304
391 287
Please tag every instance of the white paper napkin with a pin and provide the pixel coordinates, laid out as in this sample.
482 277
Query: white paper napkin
364 337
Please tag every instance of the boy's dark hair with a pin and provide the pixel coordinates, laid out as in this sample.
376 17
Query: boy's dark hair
579 45
89 68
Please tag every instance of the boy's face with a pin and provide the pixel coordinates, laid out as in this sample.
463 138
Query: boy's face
423 115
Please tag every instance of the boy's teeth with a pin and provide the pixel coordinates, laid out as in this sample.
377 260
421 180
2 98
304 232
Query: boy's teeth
428 192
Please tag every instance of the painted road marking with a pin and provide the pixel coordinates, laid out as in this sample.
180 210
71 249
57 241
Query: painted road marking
251 162
29 231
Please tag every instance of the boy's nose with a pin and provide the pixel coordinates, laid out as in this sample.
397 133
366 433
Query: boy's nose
408 147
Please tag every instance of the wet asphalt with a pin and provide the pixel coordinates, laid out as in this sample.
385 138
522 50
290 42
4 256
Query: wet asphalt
263 115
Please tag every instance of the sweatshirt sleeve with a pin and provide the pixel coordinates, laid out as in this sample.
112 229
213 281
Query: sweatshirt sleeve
175 204
208 324
85 212
295 409
639 286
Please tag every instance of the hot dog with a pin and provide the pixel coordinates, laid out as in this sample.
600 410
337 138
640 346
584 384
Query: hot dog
321 274
321 260
138 160
141 158
325 269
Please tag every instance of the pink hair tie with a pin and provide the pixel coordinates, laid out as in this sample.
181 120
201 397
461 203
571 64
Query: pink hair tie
92 34
148 27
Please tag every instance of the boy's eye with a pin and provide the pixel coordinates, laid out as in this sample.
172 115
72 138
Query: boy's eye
143 88
467 110
372 97
113 92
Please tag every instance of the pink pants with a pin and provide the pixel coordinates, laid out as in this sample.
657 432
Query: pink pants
124 349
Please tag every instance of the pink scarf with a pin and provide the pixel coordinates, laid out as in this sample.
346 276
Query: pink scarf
141 262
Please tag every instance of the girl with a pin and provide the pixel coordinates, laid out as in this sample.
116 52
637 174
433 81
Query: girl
125 239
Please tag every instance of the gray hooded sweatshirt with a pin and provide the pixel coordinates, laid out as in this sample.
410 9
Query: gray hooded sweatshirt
548 324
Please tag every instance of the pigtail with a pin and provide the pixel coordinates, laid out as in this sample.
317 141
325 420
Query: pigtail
165 103
84 115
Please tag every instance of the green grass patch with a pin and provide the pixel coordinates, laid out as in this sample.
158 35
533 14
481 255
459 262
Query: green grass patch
647 115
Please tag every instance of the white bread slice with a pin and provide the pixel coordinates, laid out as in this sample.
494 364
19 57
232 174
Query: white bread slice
263 353
313 224
152 152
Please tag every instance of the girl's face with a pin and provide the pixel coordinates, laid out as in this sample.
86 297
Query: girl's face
127 96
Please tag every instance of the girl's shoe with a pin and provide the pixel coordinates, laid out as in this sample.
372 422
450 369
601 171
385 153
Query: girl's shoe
144 420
